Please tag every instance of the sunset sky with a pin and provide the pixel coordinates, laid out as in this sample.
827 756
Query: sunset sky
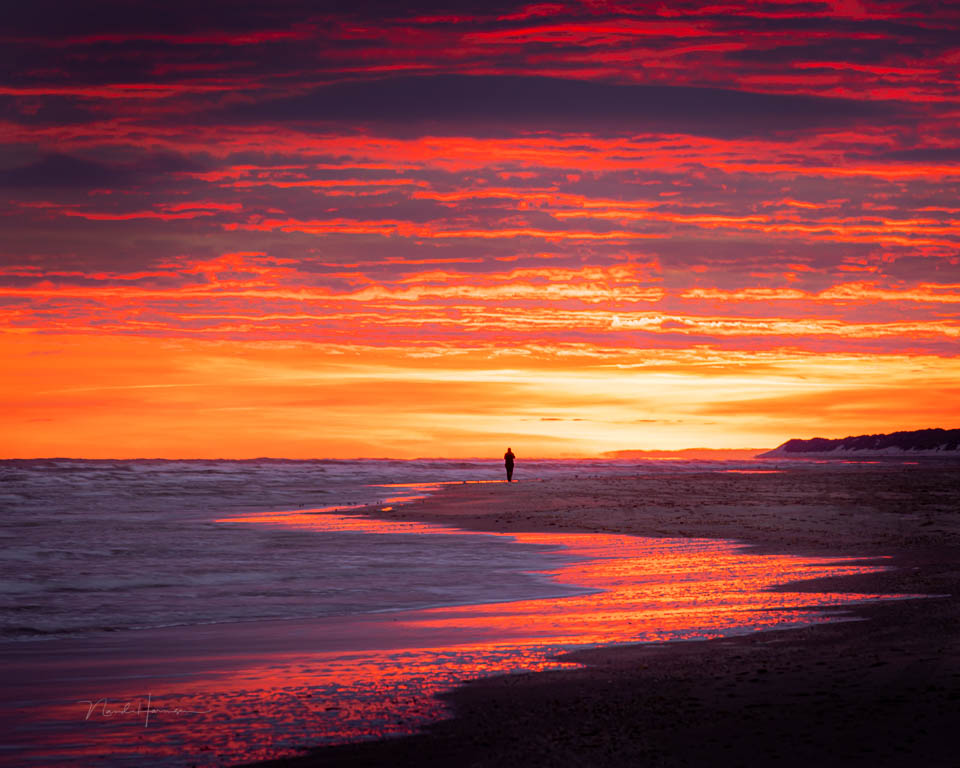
240 229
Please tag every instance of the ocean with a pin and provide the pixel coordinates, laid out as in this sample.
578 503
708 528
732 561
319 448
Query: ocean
94 546
243 612
91 546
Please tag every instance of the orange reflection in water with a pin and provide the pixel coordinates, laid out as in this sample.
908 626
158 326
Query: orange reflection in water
643 589
270 708
240 692
658 589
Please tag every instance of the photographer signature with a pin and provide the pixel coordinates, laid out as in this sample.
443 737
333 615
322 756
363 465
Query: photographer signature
135 708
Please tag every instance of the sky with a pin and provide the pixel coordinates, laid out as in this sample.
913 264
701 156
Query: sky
305 229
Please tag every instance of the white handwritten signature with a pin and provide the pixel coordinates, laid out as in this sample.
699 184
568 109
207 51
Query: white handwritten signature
134 709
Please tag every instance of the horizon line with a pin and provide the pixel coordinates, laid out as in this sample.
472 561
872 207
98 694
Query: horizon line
600 457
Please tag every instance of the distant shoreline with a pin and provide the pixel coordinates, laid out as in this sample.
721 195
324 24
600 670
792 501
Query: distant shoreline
846 455
919 442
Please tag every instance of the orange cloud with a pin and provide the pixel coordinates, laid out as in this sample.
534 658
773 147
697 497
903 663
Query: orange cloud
924 292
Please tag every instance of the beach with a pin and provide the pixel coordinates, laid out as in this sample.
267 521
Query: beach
883 690
600 613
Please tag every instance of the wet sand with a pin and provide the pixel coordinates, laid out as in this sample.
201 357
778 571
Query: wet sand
884 691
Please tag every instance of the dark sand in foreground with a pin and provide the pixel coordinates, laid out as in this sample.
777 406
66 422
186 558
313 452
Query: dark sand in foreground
880 692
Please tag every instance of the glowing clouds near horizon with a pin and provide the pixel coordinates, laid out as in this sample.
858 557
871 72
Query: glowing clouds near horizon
192 399
576 229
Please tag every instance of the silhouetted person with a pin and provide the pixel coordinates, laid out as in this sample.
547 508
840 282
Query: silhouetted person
508 458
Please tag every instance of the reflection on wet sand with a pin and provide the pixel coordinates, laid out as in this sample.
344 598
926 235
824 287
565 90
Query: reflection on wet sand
242 692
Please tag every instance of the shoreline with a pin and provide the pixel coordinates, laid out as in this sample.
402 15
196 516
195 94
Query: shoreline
892 682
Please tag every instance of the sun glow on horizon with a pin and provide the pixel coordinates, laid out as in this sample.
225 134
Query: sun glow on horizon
184 398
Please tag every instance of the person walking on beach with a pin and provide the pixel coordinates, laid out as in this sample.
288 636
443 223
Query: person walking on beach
508 458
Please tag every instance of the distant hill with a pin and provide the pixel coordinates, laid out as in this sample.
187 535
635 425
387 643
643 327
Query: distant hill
921 442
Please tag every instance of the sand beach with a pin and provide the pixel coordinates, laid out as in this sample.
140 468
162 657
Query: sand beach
883 690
